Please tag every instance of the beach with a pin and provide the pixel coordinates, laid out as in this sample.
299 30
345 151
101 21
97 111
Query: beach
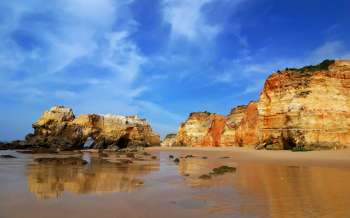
338 158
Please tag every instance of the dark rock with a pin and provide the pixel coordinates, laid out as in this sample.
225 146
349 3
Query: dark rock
61 161
3 146
17 144
125 161
130 155
101 154
39 151
222 170
7 156
146 153
204 176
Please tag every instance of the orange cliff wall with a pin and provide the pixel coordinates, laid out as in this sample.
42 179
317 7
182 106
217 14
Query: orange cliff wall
296 107
201 129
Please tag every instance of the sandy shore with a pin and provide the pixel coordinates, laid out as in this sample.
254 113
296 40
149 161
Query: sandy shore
339 158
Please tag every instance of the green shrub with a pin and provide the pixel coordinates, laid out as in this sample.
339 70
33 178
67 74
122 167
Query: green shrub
300 148
324 65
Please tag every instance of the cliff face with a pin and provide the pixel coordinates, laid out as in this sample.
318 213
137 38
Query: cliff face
201 129
58 127
307 107
297 107
169 140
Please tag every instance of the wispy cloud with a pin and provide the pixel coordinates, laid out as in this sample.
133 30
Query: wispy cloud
187 20
330 50
127 56
73 52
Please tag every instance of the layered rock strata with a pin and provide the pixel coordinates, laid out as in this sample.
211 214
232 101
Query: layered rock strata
307 107
59 128
169 140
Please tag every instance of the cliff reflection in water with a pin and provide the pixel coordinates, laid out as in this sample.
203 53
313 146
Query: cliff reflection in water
99 176
265 190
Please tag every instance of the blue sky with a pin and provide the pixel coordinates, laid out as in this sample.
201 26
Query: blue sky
160 59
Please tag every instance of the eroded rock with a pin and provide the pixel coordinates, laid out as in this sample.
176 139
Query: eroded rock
307 107
60 128
169 141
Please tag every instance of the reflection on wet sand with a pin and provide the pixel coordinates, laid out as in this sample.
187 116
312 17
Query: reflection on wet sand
256 189
99 176
298 192
275 191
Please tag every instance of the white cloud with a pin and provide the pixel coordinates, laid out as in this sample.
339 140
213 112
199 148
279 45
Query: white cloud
330 50
187 20
75 32
123 56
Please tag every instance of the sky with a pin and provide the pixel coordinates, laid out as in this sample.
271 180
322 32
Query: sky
159 59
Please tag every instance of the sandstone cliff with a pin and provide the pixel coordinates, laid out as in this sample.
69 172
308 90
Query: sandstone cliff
201 129
59 128
169 140
306 107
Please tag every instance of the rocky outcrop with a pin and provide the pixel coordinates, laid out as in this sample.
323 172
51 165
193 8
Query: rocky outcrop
306 107
201 129
169 140
59 128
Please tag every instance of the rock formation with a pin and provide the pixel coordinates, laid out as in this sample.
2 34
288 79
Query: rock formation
169 140
201 129
306 107
59 128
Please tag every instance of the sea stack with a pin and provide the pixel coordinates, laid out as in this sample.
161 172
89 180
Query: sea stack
59 128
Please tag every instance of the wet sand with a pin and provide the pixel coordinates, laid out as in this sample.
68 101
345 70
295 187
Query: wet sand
339 158
277 184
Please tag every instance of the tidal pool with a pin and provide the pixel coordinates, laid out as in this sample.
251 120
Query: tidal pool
159 187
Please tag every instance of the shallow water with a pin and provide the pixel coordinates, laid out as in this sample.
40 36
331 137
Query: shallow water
161 188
